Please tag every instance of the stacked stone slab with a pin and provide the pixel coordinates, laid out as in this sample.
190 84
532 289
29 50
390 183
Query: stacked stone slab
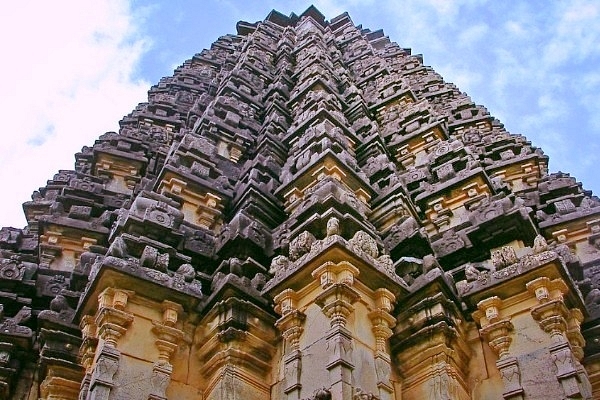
304 211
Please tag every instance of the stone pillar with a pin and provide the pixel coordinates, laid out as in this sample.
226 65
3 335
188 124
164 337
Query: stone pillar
112 323
556 319
290 326
89 333
105 368
168 338
6 372
336 302
497 332
382 322
577 342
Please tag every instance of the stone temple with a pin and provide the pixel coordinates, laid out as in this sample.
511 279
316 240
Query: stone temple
304 211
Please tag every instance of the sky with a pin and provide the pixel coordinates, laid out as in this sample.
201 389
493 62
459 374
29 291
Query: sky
71 69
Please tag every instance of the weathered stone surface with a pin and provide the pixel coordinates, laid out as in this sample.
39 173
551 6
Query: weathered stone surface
304 211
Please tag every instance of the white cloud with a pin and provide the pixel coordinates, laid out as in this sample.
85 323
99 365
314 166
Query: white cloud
472 34
68 71
515 28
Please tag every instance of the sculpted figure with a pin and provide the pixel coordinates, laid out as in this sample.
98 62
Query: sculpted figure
429 263
363 241
322 394
279 265
188 272
539 244
509 255
301 245
593 297
118 248
333 226
471 273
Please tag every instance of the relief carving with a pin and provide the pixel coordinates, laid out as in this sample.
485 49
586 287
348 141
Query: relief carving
363 242
301 245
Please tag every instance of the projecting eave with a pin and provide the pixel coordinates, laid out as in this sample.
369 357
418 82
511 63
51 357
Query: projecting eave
335 249
128 274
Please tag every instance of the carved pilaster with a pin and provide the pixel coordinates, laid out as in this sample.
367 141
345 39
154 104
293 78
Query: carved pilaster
577 342
105 368
552 316
497 332
111 320
112 323
89 333
498 336
290 326
168 339
292 374
338 295
336 302
159 381
551 313
573 384
382 322
291 321
381 318
576 339
511 377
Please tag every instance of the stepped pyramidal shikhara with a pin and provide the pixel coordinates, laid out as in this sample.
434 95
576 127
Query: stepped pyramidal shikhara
304 211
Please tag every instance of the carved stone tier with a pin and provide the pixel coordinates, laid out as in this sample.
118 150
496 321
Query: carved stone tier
525 287
429 345
200 206
235 345
135 335
122 173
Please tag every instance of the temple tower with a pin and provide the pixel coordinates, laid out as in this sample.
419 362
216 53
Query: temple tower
304 211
